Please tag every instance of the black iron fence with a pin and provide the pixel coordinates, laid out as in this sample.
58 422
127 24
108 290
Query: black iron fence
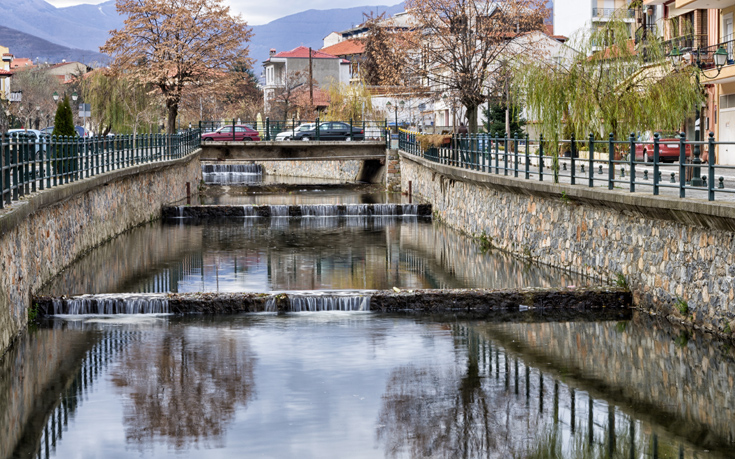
270 129
29 163
670 166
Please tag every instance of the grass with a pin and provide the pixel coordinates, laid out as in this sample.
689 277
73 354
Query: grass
485 241
621 281
682 306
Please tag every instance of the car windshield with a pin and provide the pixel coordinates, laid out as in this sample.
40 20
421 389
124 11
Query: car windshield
306 127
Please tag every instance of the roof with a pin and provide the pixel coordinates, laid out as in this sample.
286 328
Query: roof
4 73
21 62
302 52
344 48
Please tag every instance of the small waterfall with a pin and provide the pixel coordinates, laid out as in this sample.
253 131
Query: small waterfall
270 304
255 169
279 211
319 210
111 304
410 209
249 211
181 211
231 173
355 210
334 302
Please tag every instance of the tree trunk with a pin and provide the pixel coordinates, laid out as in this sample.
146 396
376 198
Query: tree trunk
173 111
472 118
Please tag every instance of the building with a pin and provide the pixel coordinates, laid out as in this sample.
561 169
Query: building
352 50
289 70
570 18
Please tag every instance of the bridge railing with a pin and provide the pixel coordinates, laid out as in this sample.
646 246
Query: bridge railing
672 166
269 129
29 163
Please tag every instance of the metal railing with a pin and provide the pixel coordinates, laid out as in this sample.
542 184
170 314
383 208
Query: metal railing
29 163
269 129
686 43
622 13
631 164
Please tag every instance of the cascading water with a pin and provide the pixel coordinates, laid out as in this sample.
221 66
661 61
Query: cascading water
329 302
279 211
249 211
231 173
319 210
111 304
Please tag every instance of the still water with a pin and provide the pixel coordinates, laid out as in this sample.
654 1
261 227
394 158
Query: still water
255 254
361 385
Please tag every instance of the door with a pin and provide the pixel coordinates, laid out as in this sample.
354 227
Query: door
727 134
727 38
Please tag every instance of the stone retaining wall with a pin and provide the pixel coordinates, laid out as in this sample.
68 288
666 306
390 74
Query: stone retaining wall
338 170
677 256
45 232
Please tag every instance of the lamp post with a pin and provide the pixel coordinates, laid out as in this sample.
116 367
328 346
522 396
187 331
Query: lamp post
719 57
74 98
389 105
38 117
56 97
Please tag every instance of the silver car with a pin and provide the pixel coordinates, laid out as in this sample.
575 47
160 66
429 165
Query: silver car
288 134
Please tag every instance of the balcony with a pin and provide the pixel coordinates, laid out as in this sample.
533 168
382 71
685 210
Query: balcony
605 14
704 4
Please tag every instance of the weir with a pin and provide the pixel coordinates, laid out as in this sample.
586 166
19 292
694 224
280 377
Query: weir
231 174
436 301
313 210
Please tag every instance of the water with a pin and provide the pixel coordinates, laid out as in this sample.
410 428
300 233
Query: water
284 254
232 174
360 385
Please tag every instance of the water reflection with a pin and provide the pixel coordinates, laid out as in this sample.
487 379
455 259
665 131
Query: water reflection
183 386
336 385
314 253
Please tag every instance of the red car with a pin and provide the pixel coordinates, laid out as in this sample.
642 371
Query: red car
668 147
243 133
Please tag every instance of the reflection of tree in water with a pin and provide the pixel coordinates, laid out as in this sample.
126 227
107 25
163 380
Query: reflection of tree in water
184 385
445 413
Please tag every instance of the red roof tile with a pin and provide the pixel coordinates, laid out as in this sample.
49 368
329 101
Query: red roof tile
303 52
345 48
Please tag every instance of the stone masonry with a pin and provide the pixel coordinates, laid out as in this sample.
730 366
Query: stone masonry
45 232
677 256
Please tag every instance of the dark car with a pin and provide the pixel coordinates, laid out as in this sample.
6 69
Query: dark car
81 132
242 133
332 130
668 147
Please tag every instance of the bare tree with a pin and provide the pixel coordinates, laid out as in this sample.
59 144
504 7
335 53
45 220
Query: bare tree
461 41
289 98
37 88
175 44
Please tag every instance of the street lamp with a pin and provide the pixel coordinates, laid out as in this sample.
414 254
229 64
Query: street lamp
395 108
56 97
720 58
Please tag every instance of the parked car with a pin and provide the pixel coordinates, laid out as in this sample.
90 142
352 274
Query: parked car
332 130
243 133
81 132
34 135
289 133
668 147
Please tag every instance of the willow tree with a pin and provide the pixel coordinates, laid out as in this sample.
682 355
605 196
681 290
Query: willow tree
609 85
177 43
349 102
460 42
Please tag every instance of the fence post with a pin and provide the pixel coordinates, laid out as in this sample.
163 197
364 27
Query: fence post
572 154
591 161
317 128
656 151
267 128
610 162
631 160
541 158
233 129
682 166
711 167
505 154
351 128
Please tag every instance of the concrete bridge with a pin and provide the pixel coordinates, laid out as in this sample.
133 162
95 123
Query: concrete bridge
293 150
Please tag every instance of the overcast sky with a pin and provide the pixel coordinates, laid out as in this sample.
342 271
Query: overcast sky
257 12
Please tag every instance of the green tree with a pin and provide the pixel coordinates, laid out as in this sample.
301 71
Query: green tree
495 119
608 86
64 120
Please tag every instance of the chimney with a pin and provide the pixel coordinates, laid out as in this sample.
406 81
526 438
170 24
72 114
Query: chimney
273 52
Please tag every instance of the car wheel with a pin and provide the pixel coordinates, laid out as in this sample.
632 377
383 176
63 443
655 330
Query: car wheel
348 139
646 159
207 139
306 138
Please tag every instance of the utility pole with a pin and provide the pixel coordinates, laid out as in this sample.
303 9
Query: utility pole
311 83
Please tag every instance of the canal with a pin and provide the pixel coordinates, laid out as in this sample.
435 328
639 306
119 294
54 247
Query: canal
356 384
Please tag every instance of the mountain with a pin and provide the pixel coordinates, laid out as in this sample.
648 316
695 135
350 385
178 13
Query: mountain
308 28
66 31
25 45
82 26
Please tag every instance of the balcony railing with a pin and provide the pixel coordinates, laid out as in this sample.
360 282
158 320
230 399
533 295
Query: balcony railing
686 43
706 53
606 13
